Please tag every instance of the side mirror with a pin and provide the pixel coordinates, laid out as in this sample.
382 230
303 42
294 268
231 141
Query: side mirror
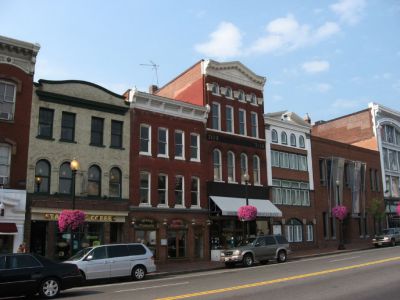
89 257
257 244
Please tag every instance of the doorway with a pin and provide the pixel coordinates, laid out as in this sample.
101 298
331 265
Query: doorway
176 243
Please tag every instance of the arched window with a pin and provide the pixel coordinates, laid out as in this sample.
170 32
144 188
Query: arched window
114 186
65 179
241 95
42 171
231 166
253 99
292 140
301 142
217 165
294 231
283 138
228 92
215 89
243 166
256 169
274 136
94 181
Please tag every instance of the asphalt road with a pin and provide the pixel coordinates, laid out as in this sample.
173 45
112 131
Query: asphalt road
369 274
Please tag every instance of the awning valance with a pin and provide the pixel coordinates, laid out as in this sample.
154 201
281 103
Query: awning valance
8 228
229 206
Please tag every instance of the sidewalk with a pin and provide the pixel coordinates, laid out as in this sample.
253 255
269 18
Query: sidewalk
182 267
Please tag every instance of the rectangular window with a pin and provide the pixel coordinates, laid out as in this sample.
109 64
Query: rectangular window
322 172
215 116
195 191
7 100
116 134
162 188
46 123
372 179
179 190
163 142
386 158
254 124
310 233
145 139
276 195
242 122
5 160
67 127
294 165
393 160
179 145
194 147
144 188
275 158
229 119
96 137
302 162
285 160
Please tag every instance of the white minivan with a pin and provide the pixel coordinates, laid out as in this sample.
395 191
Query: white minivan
116 260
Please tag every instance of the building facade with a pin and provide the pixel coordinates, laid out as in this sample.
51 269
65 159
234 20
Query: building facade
82 121
17 66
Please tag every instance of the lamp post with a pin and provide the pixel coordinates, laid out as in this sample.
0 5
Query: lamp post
74 165
38 182
337 192
246 178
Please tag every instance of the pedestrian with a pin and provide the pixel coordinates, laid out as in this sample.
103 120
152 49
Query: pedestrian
22 248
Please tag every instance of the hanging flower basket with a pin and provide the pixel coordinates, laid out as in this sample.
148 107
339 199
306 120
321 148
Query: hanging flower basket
247 213
339 212
70 219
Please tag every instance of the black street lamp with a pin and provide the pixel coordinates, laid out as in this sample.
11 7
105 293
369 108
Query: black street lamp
246 178
38 182
74 165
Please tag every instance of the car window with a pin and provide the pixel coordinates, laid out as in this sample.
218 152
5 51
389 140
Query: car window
269 240
99 253
2 262
117 251
23 261
261 242
136 250
281 239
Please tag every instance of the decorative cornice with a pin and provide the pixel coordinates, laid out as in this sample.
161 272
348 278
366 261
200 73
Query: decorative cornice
286 125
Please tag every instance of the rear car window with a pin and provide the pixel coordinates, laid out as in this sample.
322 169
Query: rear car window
23 261
117 251
136 250
281 239
269 240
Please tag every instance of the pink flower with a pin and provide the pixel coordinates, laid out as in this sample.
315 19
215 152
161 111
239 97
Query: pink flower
339 212
398 209
247 213
70 218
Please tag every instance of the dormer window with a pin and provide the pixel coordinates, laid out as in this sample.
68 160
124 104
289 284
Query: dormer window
253 99
241 95
215 89
228 93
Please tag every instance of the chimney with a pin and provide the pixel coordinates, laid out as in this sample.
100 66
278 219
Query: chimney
153 89
307 118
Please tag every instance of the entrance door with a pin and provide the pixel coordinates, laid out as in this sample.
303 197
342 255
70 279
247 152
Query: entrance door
38 237
176 244
6 243
198 244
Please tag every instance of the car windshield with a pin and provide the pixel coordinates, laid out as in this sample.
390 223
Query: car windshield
388 231
80 254
246 242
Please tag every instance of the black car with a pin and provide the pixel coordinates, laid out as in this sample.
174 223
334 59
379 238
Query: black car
29 274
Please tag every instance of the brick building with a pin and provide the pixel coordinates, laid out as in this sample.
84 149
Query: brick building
235 144
168 199
376 128
17 66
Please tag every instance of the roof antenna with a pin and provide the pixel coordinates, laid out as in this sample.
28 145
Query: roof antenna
154 67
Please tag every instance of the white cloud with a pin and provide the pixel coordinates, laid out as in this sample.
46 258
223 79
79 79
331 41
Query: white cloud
323 87
288 34
225 42
342 104
349 11
316 66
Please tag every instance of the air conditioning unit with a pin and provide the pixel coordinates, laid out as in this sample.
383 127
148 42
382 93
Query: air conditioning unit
5 115
3 180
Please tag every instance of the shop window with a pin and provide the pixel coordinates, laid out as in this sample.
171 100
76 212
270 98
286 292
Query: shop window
195 191
277 228
243 166
42 171
217 165
148 238
45 128
144 188
145 139
194 147
96 132
179 190
5 162
274 136
94 181
231 166
301 142
65 179
179 144
114 185
7 100
256 170
163 142
229 119
242 122
162 188
116 134
283 138
254 124
215 116
67 127
292 140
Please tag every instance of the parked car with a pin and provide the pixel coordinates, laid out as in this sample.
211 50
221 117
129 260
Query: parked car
119 260
261 249
29 274
389 236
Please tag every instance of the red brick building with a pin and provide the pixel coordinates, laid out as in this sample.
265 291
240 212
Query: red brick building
17 65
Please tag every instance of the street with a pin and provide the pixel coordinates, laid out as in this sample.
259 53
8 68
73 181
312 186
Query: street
370 274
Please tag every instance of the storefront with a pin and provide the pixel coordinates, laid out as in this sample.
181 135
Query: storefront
12 218
100 227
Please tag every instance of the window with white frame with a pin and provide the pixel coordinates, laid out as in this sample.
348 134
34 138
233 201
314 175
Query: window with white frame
217 165
195 191
7 100
229 119
242 122
194 147
179 190
254 124
253 99
243 166
301 142
241 96
179 144
215 89
231 166
294 231
310 232
145 139
216 116
162 189
290 192
163 142
274 136
5 162
283 138
275 158
256 170
228 93
292 140
144 187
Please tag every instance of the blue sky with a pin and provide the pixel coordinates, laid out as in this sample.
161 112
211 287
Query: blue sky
325 58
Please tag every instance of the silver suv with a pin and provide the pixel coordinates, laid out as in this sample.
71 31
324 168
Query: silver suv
261 249
389 236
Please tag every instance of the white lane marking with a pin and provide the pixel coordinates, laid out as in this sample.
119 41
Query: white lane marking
346 258
152 287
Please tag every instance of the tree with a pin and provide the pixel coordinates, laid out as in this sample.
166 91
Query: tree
378 213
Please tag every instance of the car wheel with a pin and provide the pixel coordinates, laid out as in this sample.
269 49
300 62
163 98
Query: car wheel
229 264
248 260
138 273
376 246
49 288
282 256
393 243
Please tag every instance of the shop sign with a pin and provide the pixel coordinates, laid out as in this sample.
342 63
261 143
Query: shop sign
177 224
88 217
145 224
